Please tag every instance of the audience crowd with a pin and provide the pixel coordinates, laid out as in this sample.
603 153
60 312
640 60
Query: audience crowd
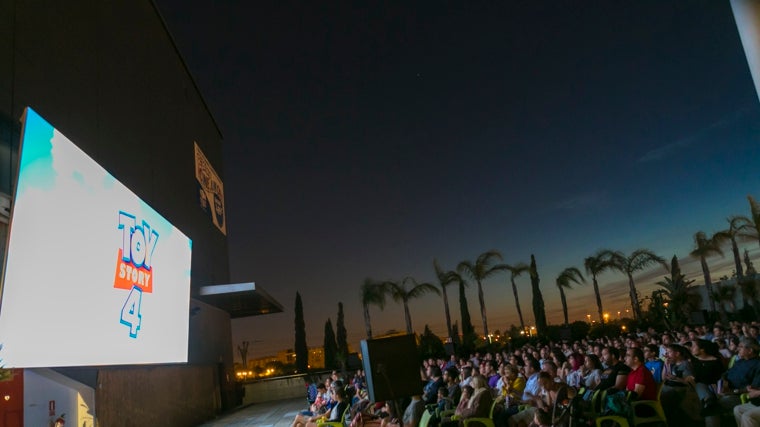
701 376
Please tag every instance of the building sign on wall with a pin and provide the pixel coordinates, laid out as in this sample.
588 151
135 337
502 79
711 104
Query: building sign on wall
94 275
210 190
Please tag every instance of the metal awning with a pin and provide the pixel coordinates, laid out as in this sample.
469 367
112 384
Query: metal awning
239 299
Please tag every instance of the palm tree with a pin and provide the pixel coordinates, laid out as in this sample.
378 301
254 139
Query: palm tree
682 299
568 275
748 286
479 271
754 219
638 260
372 293
595 265
704 247
445 278
738 228
400 293
515 271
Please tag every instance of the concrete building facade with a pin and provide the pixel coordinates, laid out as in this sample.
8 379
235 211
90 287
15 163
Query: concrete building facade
109 76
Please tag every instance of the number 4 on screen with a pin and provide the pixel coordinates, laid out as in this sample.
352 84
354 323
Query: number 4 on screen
130 313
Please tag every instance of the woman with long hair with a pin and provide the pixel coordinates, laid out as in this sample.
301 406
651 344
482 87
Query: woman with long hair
591 371
708 367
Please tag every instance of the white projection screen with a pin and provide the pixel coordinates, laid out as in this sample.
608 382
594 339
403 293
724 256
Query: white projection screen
94 276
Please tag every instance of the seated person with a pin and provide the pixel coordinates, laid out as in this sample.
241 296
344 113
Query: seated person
514 385
741 376
546 400
450 377
542 418
653 362
464 400
380 416
615 375
412 414
640 381
319 402
477 406
444 402
335 414
748 414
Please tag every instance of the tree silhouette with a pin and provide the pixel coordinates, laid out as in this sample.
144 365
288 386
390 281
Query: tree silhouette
595 265
400 293
738 227
372 293
468 332
330 347
480 270
445 278
681 296
539 310
515 271
753 226
430 344
723 295
302 351
704 247
638 260
564 280
342 340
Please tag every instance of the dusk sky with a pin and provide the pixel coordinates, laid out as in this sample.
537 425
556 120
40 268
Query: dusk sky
365 139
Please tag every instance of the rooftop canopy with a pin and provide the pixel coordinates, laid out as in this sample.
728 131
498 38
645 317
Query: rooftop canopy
240 299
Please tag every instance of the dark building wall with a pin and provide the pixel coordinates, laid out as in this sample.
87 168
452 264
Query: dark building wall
109 77
186 396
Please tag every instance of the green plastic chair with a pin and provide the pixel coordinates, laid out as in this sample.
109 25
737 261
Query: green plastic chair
480 421
596 404
340 423
426 416
614 421
654 406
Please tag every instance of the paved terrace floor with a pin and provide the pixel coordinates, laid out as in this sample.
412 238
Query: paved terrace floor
270 414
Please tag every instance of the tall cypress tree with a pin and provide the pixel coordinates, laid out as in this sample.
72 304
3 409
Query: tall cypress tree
468 332
330 348
455 334
539 311
342 340
302 351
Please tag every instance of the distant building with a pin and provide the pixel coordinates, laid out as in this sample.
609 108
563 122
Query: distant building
288 357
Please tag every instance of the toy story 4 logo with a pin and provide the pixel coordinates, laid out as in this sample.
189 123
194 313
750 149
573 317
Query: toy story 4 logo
134 270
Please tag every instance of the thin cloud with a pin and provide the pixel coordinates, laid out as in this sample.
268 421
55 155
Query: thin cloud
668 150
581 201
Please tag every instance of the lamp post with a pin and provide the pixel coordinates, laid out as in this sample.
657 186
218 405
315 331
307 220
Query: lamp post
606 317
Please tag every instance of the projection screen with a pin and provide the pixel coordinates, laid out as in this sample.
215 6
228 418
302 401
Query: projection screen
93 275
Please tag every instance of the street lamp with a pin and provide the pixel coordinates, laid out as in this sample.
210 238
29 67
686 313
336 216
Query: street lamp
606 317
588 317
